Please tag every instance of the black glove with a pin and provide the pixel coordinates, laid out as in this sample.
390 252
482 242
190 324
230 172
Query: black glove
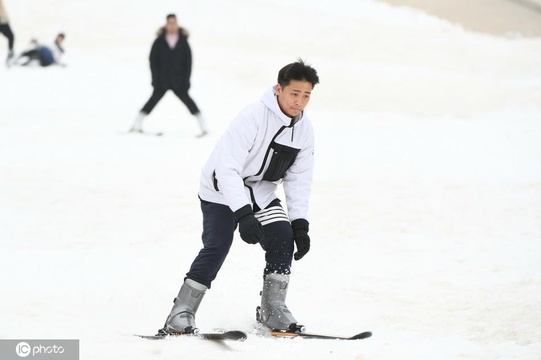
250 228
300 235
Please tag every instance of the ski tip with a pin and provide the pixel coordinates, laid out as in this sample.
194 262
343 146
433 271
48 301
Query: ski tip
236 335
363 335
232 335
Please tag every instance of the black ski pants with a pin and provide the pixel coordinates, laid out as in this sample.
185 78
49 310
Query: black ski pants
32 55
5 30
159 92
218 230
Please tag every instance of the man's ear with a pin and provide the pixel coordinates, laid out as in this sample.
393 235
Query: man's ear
278 90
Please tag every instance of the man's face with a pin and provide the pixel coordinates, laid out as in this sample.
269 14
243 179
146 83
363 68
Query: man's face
171 26
294 97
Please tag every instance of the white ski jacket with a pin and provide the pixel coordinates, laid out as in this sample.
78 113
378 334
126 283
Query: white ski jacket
262 148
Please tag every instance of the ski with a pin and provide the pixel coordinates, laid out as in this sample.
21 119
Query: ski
289 334
296 330
232 335
140 132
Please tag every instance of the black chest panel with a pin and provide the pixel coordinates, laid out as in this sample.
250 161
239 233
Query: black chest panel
282 157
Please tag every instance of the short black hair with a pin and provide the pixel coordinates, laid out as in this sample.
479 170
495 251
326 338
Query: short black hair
171 16
298 70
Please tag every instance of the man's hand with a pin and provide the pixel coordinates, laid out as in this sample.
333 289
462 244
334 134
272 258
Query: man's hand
250 228
301 238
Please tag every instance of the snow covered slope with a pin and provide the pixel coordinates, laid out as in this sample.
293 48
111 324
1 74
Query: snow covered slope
426 210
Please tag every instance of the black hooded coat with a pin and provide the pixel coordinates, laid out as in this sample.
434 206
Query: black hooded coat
171 68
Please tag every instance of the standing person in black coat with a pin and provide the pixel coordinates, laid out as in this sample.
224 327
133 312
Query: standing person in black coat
171 67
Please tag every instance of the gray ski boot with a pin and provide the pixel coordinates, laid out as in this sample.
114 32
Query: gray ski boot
274 312
181 320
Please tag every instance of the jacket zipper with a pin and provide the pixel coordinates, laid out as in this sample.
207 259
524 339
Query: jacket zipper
292 126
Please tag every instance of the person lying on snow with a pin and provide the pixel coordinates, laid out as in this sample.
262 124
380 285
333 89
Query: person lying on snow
42 54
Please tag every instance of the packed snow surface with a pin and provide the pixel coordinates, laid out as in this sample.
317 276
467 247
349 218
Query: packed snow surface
426 207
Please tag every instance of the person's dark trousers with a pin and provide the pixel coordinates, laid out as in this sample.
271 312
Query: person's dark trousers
31 55
278 246
159 92
218 230
5 29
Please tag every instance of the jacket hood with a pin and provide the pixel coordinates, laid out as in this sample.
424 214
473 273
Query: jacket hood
270 100
181 31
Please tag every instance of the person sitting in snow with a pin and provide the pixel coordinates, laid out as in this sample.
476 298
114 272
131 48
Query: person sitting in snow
270 142
43 55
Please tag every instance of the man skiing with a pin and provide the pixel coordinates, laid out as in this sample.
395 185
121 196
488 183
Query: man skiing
171 67
268 143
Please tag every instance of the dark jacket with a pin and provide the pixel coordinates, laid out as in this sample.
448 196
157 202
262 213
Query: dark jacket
171 68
